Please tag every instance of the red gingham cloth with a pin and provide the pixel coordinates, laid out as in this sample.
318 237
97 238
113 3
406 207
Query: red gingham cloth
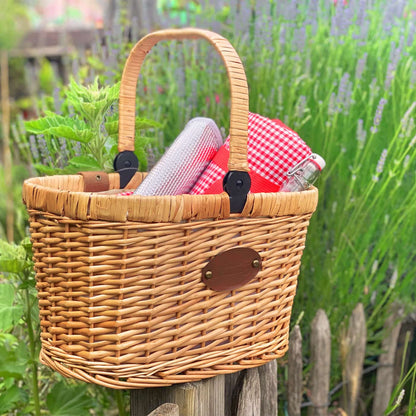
273 148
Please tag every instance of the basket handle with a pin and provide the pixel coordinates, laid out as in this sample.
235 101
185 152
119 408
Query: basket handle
238 91
237 180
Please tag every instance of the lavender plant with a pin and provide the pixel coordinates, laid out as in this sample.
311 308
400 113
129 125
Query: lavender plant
342 74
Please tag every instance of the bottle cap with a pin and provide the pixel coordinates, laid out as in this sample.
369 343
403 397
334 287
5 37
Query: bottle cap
318 160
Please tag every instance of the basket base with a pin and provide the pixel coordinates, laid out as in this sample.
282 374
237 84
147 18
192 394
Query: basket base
133 377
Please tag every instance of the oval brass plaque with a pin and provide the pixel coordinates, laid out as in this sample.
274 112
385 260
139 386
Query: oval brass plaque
231 269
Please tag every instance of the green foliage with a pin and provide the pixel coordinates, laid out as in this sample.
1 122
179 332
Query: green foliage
60 126
10 313
47 79
10 398
17 300
19 173
13 22
93 124
68 400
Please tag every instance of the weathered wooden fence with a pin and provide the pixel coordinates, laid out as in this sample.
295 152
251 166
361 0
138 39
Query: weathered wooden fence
254 392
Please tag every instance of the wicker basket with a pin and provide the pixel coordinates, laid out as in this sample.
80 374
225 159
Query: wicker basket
123 298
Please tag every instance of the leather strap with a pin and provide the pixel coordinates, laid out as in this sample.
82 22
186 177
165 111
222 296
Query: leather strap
95 181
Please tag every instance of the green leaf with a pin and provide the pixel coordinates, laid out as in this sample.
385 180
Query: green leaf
84 163
13 258
83 136
60 126
64 400
142 157
92 102
9 314
145 123
14 361
9 399
111 126
96 63
47 170
27 245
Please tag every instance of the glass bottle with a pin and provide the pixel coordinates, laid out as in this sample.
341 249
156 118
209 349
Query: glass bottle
304 174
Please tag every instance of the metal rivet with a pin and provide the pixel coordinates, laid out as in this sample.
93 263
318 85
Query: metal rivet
255 263
208 274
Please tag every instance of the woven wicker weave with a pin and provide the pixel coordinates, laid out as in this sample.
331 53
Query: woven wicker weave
121 299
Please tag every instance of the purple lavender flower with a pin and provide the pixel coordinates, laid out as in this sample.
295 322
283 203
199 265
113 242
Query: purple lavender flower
290 10
77 149
381 162
341 21
63 153
44 151
394 59
380 165
34 147
300 107
393 10
361 134
408 122
413 76
411 35
299 39
378 115
57 100
332 106
360 66
343 99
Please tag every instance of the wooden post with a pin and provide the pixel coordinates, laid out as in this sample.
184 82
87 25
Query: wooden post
295 367
142 402
268 388
355 353
247 395
230 385
405 339
203 398
321 364
167 409
385 373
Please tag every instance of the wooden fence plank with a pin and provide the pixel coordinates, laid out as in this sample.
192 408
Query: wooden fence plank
247 395
295 367
268 388
354 360
203 398
210 396
230 385
321 364
167 409
144 401
253 392
385 373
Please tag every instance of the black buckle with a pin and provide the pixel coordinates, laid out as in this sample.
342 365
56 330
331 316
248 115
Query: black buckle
237 185
126 164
